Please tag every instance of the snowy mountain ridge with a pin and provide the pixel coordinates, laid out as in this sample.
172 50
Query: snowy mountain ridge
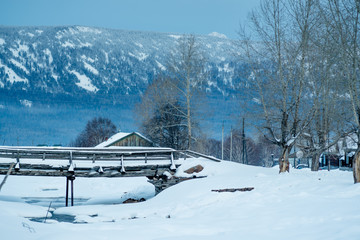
77 60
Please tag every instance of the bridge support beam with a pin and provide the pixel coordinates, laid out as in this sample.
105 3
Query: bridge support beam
71 179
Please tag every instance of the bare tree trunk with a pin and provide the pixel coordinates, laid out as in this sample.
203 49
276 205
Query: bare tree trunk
189 123
356 160
284 160
356 166
315 162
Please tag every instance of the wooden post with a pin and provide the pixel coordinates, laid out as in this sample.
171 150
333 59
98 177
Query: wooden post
146 158
71 179
71 158
71 168
122 170
172 167
94 157
17 166
67 192
72 189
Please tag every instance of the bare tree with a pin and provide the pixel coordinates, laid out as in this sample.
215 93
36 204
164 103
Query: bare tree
170 103
161 115
279 66
96 131
257 150
328 124
344 19
186 68
251 150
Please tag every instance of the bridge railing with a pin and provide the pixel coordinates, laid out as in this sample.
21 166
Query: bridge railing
67 156
56 161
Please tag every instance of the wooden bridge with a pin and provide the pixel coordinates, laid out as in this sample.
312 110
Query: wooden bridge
90 162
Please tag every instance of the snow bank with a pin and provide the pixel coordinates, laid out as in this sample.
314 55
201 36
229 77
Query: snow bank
299 205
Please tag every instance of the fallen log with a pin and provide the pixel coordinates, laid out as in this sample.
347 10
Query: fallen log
246 189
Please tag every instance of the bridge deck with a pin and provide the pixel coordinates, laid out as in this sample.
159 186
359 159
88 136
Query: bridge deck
87 162
90 162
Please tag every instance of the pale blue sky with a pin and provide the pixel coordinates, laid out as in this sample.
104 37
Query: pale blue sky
178 16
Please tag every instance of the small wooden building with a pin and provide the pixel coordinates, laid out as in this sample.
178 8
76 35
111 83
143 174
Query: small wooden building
122 139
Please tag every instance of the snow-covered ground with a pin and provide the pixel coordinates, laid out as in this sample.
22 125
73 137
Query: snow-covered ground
296 205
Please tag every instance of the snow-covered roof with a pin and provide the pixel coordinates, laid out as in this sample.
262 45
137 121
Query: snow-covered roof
347 143
117 137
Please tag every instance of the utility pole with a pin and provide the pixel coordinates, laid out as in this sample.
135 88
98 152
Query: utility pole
231 143
244 152
222 142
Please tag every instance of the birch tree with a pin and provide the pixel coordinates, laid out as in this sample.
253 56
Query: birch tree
186 68
279 66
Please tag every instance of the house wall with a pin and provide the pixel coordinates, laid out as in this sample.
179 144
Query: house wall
133 141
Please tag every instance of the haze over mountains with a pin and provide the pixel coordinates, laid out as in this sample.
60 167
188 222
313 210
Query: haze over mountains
66 75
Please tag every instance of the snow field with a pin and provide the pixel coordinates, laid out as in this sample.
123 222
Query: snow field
298 205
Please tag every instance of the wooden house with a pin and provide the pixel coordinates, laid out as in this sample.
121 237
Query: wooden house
122 139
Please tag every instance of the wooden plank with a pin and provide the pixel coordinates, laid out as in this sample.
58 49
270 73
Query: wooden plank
77 154
144 173
111 171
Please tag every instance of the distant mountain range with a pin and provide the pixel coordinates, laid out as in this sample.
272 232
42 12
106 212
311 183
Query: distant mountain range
100 62
66 66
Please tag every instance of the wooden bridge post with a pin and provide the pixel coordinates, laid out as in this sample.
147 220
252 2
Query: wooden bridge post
71 158
71 179
67 192
71 168
17 166
172 167
122 170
